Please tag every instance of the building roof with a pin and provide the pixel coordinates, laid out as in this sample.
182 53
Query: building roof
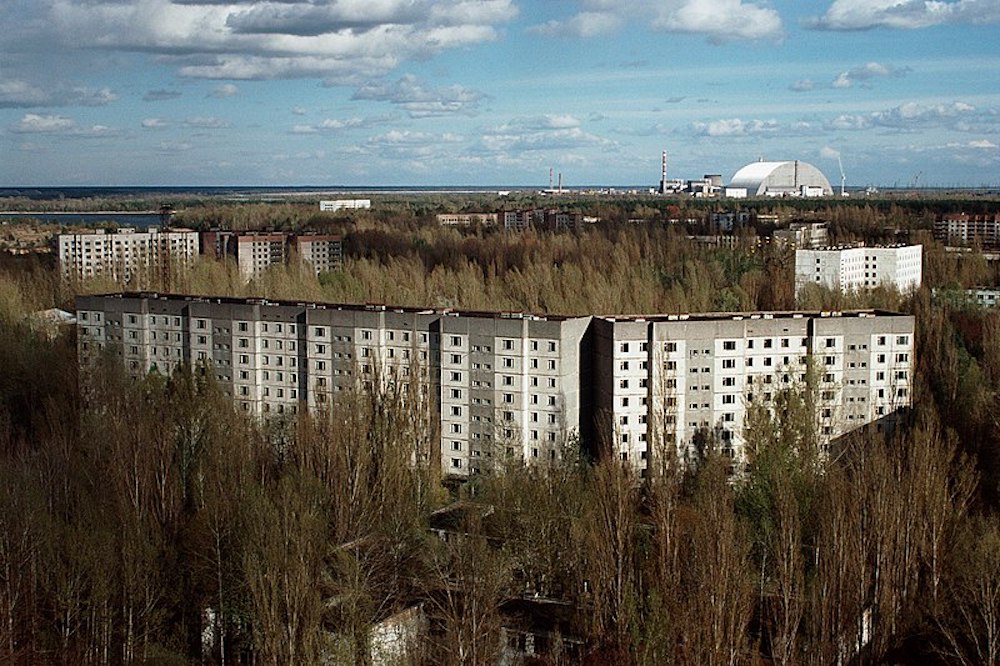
760 177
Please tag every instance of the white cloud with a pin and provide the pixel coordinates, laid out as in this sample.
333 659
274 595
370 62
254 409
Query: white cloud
342 41
983 144
905 14
21 94
419 101
584 24
339 124
720 20
912 116
828 153
802 85
735 127
154 123
208 122
225 90
32 123
864 73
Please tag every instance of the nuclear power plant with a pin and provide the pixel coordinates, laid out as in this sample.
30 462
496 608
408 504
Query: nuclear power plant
790 178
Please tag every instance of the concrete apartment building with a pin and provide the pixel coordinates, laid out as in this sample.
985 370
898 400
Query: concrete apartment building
466 219
126 254
804 235
850 268
520 386
663 382
255 252
963 229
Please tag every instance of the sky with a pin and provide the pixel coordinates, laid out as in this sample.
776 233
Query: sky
495 92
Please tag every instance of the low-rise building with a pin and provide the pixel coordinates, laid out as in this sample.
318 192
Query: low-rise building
344 204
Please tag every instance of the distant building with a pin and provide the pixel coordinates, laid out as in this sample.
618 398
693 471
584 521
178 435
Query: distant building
466 219
323 252
805 235
852 268
727 221
344 204
126 255
963 229
782 179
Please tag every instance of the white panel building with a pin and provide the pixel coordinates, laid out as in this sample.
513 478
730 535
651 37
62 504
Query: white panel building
852 268
345 204
126 254
522 387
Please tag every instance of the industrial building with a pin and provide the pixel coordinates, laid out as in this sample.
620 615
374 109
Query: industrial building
853 268
126 255
781 179
512 385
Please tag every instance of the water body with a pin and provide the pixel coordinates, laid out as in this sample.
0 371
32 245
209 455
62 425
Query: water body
137 220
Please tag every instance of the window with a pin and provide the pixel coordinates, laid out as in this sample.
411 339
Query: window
831 342
623 384
902 358
456 394
551 401
670 347
552 364
456 376
552 347
242 327
902 340
624 347
729 381
456 358
508 344
728 399
728 363
508 398
729 345
319 332
456 428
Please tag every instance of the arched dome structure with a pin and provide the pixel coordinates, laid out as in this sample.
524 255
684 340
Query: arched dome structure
782 179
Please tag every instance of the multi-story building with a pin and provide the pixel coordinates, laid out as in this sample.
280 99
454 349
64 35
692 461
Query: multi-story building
670 383
466 219
323 252
126 255
963 229
255 252
523 386
852 268
345 204
805 235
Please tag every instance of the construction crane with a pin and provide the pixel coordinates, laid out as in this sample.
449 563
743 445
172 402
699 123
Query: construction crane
843 178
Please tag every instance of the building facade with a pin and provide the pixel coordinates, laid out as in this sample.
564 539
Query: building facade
516 386
345 204
852 268
805 235
962 229
126 255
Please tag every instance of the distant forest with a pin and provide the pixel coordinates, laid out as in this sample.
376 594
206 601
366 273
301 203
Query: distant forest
147 522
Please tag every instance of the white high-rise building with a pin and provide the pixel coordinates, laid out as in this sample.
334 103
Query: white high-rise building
126 254
853 268
515 386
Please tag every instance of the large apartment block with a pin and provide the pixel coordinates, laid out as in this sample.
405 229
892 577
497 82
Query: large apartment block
963 229
126 254
851 268
505 385
666 383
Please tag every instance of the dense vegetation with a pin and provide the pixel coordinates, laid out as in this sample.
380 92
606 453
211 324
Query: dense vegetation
148 522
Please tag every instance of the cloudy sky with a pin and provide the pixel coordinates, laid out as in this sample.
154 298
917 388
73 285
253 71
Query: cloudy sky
495 92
